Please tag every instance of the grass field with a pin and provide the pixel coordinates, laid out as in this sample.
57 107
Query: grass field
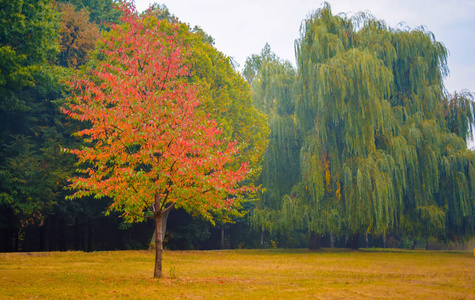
240 274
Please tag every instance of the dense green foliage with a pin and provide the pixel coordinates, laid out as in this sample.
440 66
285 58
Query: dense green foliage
272 82
29 170
383 146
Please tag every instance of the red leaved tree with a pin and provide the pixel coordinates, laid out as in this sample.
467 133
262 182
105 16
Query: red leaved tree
149 146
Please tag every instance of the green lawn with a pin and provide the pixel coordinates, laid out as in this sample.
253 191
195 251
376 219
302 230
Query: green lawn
240 274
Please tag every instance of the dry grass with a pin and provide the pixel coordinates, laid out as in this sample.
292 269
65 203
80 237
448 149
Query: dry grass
238 274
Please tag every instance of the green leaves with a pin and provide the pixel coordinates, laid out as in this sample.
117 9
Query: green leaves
382 142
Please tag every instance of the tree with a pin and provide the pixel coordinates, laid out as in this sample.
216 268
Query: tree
78 36
151 147
382 146
102 12
378 147
28 42
272 82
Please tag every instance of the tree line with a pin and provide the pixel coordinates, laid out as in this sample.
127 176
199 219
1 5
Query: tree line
360 139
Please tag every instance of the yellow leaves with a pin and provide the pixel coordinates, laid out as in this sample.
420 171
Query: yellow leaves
327 173
338 190
326 168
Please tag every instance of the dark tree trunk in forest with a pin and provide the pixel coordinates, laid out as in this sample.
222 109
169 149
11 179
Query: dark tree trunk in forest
16 242
314 242
61 235
384 240
332 243
44 238
414 244
262 238
355 241
77 235
222 237
366 239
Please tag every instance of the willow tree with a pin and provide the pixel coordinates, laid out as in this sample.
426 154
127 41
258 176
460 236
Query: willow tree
272 82
379 153
433 131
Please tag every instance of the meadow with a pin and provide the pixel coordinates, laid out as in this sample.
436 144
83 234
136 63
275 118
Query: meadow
240 274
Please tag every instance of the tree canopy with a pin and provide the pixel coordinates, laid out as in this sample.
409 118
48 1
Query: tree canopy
383 146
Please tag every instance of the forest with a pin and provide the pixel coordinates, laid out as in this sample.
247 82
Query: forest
358 145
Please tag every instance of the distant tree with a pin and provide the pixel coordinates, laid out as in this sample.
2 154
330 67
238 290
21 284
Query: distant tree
78 36
103 13
151 147
378 148
272 82
254 63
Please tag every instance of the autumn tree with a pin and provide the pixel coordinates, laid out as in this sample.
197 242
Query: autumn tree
150 148
103 13
78 36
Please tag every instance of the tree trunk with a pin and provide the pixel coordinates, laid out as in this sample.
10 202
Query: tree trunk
314 242
332 244
414 244
262 238
160 228
354 241
16 242
164 229
384 240
366 239
77 238
61 239
158 246
89 237
222 237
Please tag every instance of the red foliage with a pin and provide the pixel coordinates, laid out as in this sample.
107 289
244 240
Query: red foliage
149 144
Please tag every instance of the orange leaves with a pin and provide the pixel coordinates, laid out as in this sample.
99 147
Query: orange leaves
152 145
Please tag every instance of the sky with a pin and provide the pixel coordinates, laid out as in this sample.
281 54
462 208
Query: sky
242 28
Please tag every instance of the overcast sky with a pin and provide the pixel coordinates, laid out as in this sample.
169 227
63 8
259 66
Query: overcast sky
241 28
